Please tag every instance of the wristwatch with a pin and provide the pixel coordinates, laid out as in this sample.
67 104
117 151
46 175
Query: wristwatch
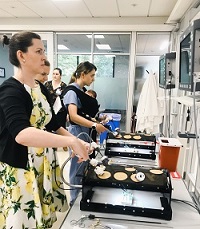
94 125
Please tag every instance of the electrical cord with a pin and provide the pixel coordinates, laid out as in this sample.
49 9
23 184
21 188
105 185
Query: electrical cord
91 216
187 119
191 204
168 109
69 158
191 124
81 164
55 177
195 121
64 164
166 113
195 125
169 114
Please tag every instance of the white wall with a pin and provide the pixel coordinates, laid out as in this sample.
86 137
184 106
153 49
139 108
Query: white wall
4 63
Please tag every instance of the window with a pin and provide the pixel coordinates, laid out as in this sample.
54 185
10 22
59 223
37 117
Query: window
109 52
150 46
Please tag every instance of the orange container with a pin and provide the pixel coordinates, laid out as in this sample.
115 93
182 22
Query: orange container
169 152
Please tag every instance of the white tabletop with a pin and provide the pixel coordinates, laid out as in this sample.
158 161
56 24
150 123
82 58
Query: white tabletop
183 215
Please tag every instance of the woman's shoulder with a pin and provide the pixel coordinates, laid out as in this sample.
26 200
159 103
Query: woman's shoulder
72 88
72 85
11 84
10 81
14 89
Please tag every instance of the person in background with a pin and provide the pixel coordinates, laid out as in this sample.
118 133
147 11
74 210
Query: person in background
79 124
29 196
56 88
43 77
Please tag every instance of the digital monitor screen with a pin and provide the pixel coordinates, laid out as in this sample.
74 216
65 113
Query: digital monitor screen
167 70
185 54
189 66
196 51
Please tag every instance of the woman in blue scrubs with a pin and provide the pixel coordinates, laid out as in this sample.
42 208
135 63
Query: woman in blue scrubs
76 101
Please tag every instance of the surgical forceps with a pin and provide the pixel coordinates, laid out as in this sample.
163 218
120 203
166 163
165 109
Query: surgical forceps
79 222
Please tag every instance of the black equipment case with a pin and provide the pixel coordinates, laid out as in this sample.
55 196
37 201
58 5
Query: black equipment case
126 195
131 145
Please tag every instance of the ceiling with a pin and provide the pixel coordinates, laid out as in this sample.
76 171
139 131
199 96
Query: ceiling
172 10
85 8
146 14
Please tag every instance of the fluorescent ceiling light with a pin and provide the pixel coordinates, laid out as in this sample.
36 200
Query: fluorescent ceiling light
62 47
109 56
105 47
96 36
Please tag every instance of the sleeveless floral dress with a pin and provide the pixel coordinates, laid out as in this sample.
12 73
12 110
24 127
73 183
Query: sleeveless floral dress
30 198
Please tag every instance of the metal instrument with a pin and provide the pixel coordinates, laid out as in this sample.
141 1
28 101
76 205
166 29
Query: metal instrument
79 222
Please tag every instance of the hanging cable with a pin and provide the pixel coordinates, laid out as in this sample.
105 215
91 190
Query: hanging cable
169 114
193 205
81 164
55 177
195 125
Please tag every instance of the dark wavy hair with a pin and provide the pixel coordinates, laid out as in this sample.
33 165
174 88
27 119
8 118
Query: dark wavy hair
20 41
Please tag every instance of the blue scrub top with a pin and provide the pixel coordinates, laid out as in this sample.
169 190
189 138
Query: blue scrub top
72 98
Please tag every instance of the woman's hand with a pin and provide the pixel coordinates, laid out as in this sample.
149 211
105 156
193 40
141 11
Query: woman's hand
88 146
100 128
80 149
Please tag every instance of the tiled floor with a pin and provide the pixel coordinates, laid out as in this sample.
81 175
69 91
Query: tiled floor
62 156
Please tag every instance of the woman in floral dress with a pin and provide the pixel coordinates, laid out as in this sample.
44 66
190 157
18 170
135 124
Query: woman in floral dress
29 195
